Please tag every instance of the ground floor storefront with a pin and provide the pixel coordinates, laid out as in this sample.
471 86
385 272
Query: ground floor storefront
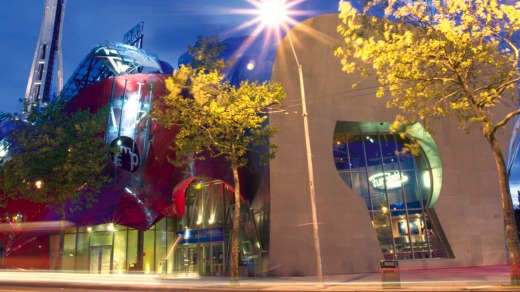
195 244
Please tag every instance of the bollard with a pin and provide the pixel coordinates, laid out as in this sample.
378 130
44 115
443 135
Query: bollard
390 277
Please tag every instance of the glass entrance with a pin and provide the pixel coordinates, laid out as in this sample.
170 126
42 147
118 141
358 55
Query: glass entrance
213 259
204 229
205 259
100 259
186 259
217 267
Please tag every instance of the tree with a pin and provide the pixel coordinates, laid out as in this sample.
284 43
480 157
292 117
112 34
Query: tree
58 159
439 58
205 54
217 119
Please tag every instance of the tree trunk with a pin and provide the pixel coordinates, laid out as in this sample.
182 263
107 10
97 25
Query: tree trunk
512 242
62 237
58 262
234 233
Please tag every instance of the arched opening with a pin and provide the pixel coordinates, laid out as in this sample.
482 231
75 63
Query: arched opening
399 189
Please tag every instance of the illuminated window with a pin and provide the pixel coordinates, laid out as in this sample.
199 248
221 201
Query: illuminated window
43 52
36 93
40 71
399 189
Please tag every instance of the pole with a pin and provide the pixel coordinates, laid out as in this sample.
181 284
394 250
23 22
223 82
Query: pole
317 248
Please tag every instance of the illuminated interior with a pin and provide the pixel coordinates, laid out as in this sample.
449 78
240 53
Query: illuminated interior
399 189
196 244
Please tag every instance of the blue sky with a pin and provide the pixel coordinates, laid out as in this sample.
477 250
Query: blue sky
169 27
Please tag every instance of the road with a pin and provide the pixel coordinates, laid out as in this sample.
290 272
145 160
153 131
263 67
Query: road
494 278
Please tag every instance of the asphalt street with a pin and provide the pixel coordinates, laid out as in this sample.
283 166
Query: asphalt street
490 278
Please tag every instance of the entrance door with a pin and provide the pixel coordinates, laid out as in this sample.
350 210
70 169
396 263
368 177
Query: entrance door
186 259
193 252
217 267
213 259
100 259
205 259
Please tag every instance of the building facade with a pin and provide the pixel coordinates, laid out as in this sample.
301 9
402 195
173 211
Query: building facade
440 209
153 217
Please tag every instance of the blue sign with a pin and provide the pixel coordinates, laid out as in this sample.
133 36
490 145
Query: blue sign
202 235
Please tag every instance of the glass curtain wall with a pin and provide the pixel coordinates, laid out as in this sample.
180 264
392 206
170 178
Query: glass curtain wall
195 244
203 233
396 187
99 249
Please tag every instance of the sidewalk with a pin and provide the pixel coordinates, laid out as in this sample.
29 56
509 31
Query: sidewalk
491 278
495 278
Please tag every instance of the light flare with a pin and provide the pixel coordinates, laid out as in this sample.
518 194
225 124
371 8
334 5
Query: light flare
273 12
212 218
271 16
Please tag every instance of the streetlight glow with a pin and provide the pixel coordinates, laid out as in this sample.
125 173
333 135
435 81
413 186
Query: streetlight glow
273 12
270 16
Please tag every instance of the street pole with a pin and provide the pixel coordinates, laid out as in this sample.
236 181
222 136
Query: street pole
317 249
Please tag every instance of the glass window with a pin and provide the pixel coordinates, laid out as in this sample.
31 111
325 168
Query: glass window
69 252
359 185
356 153
120 243
39 72
341 157
36 93
345 175
395 185
101 238
148 251
383 227
411 189
170 240
161 242
389 152
372 150
132 251
82 247
424 179
395 199
422 162
43 51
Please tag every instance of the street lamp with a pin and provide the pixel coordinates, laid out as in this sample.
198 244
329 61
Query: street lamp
274 14
38 184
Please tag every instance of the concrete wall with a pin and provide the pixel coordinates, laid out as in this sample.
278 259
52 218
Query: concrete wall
469 207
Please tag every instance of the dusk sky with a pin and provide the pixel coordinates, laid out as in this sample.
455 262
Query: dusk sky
169 27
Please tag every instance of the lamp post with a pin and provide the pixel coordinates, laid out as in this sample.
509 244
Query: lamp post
273 13
310 168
